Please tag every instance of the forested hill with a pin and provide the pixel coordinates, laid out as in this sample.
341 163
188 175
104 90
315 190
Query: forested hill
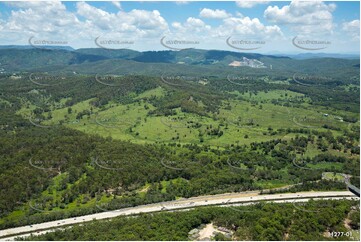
214 62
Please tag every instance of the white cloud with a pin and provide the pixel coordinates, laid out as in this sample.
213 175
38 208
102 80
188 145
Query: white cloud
117 4
37 4
238 14
41 20
249 4
216 14
181 2
191 26
352 28
36 17
248 27
53 18
139 23
211 37
303 17
231 26
195 22
52 21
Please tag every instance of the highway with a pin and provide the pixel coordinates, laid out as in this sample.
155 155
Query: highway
228 199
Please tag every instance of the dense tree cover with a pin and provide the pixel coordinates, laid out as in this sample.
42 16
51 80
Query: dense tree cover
354 217
314 220
74 88
90 166
340 99
196 62
323 185
83 168
96 166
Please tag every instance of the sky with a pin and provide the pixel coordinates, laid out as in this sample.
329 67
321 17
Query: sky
246 26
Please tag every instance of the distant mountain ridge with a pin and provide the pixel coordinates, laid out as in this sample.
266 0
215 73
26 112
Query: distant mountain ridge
190 61
22 47
143 56
324 55
24 57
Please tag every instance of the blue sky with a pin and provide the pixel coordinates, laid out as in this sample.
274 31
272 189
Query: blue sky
206 25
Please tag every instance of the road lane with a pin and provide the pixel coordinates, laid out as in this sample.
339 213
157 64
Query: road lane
220 199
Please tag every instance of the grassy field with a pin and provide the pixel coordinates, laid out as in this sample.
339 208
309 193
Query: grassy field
267 96
253 119
50 200
333 176
271 184
242 120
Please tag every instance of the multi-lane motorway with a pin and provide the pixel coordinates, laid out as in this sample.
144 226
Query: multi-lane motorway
229 199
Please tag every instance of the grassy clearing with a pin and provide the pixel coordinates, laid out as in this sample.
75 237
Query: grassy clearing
270 95
356 235
241 122
333 176
156 92
326 165
50 200
271 184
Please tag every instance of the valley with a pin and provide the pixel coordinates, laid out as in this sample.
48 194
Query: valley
86 143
